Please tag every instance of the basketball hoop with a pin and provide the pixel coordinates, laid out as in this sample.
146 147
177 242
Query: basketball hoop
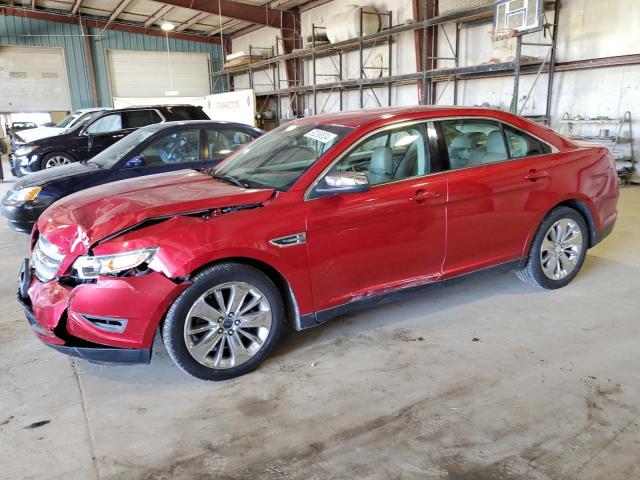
503 44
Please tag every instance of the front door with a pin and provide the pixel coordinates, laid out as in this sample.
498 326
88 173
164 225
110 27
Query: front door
498 188
176 150
388 238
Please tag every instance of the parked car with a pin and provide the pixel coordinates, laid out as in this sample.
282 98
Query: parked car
70 121
157 148
316 218
93 135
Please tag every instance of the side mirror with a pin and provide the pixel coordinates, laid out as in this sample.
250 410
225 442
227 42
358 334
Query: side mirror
135 162
341 183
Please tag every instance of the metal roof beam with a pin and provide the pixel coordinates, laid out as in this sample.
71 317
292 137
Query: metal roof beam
269 17
153 18
76 6
119 9
102 25
192 21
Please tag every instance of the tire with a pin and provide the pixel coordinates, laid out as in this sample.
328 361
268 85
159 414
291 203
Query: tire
553 264
55 159
211 348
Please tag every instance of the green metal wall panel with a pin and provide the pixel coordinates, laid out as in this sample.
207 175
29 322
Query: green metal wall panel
23 32
19 31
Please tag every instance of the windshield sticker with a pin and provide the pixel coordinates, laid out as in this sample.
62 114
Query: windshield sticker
320 135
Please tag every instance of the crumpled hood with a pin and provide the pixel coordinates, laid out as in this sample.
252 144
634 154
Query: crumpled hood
79 220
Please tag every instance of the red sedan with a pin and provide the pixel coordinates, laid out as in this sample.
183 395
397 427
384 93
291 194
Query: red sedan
321 216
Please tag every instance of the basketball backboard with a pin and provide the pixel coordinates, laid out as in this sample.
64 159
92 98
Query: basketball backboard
523 16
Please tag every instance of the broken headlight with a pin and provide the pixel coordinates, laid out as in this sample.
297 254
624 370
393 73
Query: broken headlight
91 266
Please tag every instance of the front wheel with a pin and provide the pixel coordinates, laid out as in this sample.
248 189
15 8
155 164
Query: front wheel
558 250
55 160
225 324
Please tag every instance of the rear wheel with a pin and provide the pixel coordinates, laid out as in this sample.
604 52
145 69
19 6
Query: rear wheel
55 159
558 250
225 324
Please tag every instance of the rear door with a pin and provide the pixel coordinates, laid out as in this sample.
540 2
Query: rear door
498 187
110 128
221 142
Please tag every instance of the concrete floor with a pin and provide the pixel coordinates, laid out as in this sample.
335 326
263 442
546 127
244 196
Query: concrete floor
489 379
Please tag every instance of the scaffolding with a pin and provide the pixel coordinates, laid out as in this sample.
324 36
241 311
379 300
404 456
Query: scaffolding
297 88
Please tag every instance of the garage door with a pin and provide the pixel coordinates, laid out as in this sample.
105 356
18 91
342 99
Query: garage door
146 74
33 79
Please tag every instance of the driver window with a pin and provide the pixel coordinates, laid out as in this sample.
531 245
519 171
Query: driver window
175 148
389 155
106 124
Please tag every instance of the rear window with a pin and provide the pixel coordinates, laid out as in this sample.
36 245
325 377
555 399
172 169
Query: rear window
140 118
186 113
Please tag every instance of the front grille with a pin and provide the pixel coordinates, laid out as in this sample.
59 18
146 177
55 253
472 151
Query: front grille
46 259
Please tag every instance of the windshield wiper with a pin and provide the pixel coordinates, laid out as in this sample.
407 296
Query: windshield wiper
229 179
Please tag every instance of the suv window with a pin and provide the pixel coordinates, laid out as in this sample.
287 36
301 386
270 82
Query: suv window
389 155
187 113
108 123
473 142
140 118
177 147
522 144
222 142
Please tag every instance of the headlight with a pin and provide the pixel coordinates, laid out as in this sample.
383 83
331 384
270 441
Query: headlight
28 194
91 266
26 150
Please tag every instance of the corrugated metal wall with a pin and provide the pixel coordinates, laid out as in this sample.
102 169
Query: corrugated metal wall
21 31
38 33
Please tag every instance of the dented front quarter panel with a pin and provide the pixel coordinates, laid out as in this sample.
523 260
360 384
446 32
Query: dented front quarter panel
188 243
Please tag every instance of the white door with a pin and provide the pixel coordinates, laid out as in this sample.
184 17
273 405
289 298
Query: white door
147 74
33 79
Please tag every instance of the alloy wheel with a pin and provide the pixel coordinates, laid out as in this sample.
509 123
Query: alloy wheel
56 161
227 325
561 248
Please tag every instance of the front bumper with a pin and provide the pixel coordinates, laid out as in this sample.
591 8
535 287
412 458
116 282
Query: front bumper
61 316
19 170
23 216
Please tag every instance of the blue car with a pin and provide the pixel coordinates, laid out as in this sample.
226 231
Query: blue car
157 148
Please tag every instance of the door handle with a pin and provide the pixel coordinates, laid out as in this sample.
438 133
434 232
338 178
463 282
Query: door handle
422 196
534 175
119 136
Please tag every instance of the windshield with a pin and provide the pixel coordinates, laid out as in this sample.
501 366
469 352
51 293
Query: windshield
112 155
67 120
279 158
74 119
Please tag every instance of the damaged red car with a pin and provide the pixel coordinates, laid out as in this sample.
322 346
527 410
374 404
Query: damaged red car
321 216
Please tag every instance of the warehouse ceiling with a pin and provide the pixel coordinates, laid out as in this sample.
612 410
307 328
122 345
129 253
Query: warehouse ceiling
199 17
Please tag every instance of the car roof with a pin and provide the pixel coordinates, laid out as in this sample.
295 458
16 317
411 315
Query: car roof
198 123
359 118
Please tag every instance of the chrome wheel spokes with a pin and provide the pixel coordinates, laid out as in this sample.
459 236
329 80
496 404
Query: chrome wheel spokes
227 325
561 248
56 161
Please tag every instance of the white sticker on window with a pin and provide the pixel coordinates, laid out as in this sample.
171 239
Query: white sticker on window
320 135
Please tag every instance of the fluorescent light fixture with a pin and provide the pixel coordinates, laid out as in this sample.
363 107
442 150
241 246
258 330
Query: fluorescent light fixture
172 93
167 26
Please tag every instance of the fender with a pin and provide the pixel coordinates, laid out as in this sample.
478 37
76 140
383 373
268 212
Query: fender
580 202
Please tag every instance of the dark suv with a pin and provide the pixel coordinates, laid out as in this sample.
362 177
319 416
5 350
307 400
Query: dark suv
94 135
